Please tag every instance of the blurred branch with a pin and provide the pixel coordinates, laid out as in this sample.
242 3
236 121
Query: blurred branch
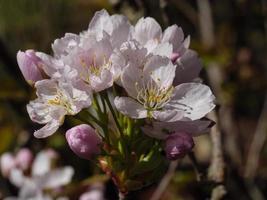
218 192
165 181
206 24
259 138
216 169
187 10
257 143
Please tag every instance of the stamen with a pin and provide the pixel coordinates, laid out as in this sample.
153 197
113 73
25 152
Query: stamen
61 100
151 96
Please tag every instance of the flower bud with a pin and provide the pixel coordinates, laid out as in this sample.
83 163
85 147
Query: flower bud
84 141
7 163
177 145
24 159
29 65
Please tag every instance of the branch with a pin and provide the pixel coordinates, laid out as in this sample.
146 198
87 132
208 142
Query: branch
216 169
257 143
165 181
259 138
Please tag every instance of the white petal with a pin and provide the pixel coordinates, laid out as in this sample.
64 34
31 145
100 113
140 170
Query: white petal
47 130
194 98
41 164
50 65
65 44
133 53
47 88
161 130
104 81
168 115
17 177
163 49
174 35
161 70
39 111
30 190
146 29
188 68
130 107
118 63
101 21
121 28
56 178
131 75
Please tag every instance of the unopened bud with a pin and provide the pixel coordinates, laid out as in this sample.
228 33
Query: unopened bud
177 145
84 141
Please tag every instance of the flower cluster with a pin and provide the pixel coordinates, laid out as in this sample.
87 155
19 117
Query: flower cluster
123 81
34 175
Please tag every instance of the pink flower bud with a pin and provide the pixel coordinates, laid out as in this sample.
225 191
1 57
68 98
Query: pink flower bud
24 159
7 163
177 145
29 65
84 141
174 57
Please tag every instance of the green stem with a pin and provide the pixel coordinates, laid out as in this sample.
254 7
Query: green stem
101 124
103 103
113 114
97 104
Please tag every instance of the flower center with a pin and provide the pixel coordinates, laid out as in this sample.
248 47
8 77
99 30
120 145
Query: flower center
61 100
153 97
93 68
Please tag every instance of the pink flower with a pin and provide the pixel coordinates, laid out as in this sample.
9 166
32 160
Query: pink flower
177 145
84 141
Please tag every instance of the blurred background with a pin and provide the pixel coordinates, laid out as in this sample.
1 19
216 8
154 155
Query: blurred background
231 39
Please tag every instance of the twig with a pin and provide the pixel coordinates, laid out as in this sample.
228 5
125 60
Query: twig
165 181
216 169
218 192
257 143
260 133
206 23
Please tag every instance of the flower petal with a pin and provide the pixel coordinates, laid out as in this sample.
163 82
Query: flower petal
41 164
168 115
163 49
195 99
56 178
130 107
121 29
174 35
188 68
161 70
47 130
146 29
131 75
65 44
161 130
